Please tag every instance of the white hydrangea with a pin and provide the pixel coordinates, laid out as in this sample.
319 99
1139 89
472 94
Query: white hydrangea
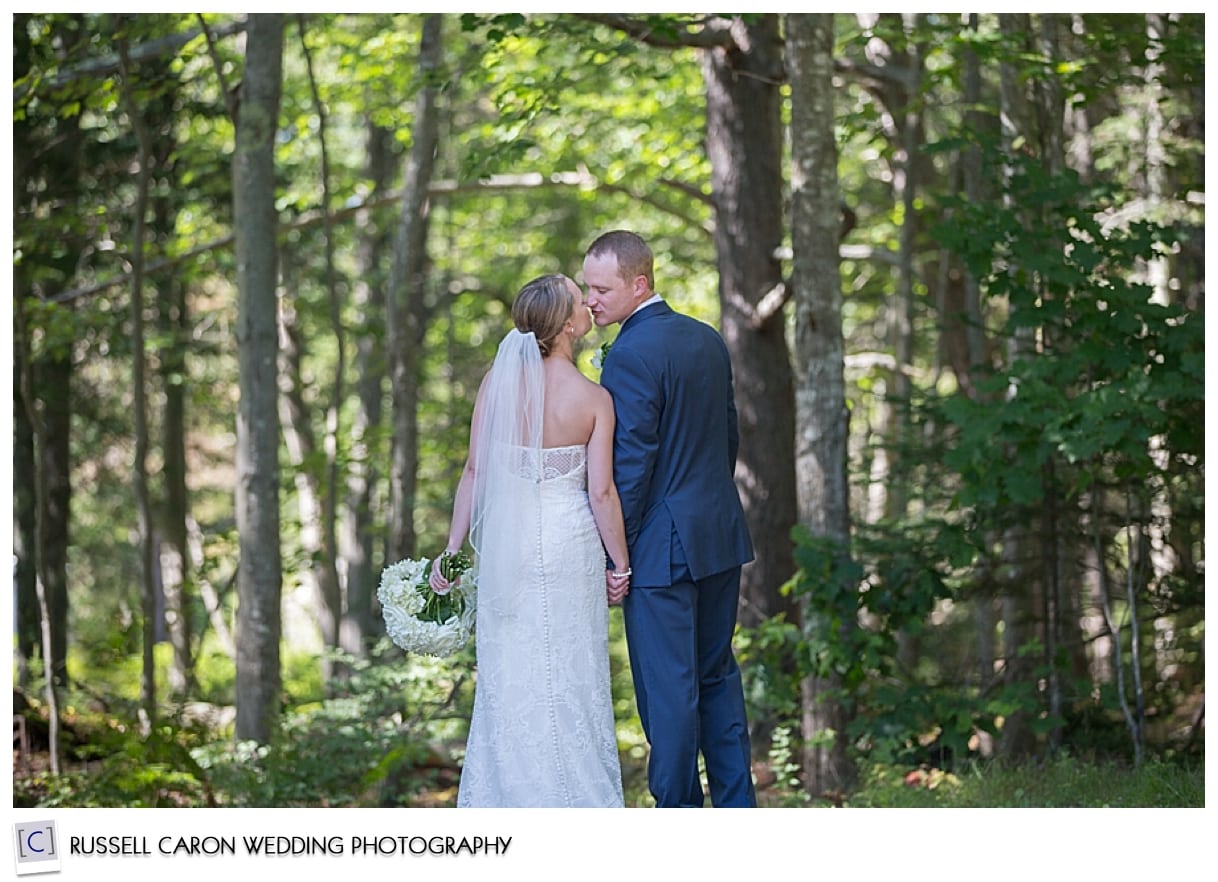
403 594
399 585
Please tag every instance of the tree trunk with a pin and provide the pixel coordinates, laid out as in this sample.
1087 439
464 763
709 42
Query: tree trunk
1136 575
174 323
52 389
901 315
149 586
888 482
1018 573
820 398
356 537
42 491
906 109
329 599
25 538
405 299
744 142
173 327
25 491
1133 719
977 359
53 165
1050 106
46 177
260 578
300 441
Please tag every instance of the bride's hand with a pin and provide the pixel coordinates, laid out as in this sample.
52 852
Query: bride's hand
439 584
617 586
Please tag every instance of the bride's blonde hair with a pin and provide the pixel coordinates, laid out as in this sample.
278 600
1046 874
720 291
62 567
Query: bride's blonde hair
543 306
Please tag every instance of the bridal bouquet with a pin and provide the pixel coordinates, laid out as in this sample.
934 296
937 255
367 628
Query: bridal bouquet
418 619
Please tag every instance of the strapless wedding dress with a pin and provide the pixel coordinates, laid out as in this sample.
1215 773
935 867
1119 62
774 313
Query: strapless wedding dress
542 731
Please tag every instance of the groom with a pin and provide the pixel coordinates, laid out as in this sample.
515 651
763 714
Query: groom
674 455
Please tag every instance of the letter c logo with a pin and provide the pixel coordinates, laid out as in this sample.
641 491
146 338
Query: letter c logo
29 841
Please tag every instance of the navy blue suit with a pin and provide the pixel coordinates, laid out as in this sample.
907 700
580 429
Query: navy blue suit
674 457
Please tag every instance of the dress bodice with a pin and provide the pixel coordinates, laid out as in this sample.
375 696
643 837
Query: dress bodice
560 466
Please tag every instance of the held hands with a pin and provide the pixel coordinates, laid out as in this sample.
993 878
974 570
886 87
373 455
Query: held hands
617 585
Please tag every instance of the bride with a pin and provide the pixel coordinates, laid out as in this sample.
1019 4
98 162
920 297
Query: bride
538 501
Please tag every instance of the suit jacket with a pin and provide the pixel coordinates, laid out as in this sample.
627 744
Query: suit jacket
674 448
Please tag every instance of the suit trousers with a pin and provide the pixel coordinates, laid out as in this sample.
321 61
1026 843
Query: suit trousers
688 688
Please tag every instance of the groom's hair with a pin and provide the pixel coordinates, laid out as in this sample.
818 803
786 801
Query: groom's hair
634 257
543 307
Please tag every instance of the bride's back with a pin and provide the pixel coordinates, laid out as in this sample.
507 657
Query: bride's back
569 415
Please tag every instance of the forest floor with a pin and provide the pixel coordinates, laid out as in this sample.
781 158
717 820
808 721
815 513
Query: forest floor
433 785
1165 778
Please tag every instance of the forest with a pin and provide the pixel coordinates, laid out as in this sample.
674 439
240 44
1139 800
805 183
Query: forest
261 263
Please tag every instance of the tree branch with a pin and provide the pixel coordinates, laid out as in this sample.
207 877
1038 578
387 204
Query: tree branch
768 307
109 64
874 73
532 180
714 31
230 95
717 31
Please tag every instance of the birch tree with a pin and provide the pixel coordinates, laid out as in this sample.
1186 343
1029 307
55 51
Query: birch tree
820 398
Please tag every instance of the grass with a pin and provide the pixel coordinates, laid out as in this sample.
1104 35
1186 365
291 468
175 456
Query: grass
1063 782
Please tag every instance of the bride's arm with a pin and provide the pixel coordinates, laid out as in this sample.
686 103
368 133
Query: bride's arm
602 492
463 502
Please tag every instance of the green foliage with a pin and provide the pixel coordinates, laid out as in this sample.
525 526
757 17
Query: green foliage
829 580
855 609
359 745
378 741
1104 383
1099 397
1112 367
771 679
783 757
388 734
896 575
113 765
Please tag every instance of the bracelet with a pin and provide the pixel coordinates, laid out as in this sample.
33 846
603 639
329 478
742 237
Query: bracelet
629 570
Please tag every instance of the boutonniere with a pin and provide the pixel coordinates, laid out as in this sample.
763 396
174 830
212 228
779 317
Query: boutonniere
598 357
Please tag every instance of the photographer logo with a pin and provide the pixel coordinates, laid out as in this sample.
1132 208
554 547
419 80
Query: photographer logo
36 845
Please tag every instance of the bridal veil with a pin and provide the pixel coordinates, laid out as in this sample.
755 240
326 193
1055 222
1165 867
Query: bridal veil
508 471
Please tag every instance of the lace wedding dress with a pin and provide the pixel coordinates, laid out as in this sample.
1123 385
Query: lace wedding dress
542 732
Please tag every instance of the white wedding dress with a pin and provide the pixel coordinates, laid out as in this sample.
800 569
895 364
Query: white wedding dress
542 732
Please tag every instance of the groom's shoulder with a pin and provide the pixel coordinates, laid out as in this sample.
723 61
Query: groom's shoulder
661 320
692 325
668 316
670 324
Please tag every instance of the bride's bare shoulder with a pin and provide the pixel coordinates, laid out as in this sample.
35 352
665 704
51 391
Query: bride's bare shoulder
581 393
591 388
